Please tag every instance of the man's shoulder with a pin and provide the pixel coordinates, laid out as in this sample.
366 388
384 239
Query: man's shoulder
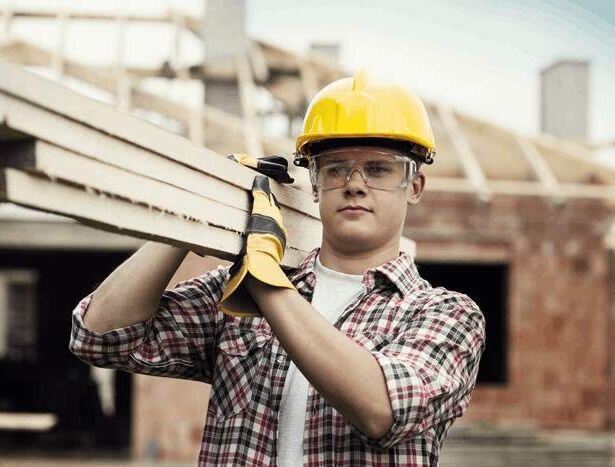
440 300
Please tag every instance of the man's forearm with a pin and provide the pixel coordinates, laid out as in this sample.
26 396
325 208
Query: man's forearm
344 373
132 292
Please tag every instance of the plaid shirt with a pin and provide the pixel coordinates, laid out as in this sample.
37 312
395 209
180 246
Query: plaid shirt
428 342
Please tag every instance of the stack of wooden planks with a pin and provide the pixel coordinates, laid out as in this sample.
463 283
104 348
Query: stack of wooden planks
64 153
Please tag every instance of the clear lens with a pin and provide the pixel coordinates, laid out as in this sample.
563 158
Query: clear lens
381 170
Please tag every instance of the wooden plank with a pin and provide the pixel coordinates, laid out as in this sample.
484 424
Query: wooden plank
60 164
521 188
258 61
32 88
27 421
61 235
8 14
92 15
64 133
456 251
120 216
540 167
59 56
463 149
213 120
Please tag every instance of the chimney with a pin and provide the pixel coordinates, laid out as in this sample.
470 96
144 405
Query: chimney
564 96
329 50
224 34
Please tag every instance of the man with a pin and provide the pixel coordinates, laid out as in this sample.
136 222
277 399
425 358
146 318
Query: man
352 359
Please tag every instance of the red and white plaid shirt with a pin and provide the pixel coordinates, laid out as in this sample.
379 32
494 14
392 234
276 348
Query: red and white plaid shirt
428 342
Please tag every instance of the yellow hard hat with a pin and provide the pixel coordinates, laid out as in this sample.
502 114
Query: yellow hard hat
356 108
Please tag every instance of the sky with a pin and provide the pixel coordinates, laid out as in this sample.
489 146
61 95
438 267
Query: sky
482 57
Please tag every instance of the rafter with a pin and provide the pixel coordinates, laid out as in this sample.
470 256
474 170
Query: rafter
469 162
541 169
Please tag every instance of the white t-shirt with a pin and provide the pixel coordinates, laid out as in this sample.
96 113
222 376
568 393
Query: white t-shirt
333 292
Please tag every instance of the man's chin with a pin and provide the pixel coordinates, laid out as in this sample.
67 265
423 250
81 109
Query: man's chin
356 240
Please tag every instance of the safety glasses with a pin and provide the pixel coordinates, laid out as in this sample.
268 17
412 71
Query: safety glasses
379 169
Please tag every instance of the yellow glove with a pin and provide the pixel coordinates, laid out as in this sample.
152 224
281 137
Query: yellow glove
261 254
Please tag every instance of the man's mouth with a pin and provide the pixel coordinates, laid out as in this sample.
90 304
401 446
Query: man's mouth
355 208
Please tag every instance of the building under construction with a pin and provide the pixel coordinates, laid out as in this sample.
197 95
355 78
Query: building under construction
522 224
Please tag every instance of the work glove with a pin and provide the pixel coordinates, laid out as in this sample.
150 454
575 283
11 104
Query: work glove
275 167
261 254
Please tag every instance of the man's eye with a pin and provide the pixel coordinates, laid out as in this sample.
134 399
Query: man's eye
335 170
378 170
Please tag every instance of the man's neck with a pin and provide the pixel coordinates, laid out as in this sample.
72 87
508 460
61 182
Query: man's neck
356 262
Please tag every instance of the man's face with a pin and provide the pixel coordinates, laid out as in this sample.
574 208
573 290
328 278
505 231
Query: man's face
363 199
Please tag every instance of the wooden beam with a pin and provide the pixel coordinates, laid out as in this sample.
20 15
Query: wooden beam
214 121
469 162
60 164
247 94
459 251
43 93
59 56
522 188
195 121
540 167
8 13
258 62
119 216
166 17
27 421
309 81
299 211
179 26
61 235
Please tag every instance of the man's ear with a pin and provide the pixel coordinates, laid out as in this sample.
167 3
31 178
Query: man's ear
416 187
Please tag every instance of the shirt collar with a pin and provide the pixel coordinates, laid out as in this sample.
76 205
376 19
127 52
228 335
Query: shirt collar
400 272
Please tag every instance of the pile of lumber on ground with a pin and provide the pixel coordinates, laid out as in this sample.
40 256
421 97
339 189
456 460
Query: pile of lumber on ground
64 153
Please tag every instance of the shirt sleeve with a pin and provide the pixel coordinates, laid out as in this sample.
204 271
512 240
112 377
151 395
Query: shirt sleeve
178 341
431 367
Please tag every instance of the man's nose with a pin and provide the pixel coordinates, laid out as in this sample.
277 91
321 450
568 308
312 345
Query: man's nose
356 180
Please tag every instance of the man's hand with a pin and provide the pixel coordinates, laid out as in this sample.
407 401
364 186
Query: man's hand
261 255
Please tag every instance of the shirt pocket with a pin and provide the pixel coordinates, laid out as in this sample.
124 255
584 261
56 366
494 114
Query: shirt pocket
242 356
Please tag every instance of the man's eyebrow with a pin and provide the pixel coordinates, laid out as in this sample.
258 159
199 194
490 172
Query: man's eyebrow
335 159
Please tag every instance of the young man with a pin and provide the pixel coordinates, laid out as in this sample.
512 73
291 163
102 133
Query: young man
352 359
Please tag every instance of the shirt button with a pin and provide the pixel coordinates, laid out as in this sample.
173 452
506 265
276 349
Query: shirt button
280 359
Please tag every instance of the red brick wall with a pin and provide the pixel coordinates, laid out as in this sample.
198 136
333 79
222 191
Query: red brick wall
558 303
